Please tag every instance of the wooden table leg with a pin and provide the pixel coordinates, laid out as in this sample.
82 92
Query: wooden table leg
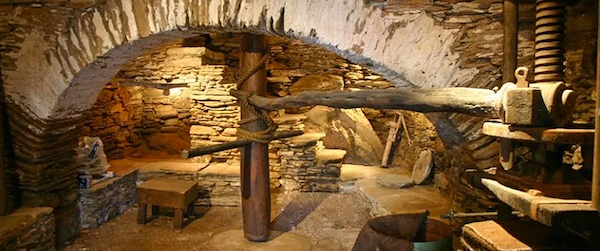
155 211
190 210
178 221
142 208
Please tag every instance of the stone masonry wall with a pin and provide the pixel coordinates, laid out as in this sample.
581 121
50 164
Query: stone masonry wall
30 229
116 118
131 120
51 73
128 118
215 113
107 199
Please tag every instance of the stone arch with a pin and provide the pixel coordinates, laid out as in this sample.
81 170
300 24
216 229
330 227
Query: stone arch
52 73
67 64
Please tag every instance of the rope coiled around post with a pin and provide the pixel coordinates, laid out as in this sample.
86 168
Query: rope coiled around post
265 135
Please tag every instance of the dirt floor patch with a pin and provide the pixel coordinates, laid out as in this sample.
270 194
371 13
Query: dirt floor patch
329 221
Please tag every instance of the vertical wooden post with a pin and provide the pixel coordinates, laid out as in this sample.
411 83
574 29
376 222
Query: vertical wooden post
7 204
511 39
596 165
256 194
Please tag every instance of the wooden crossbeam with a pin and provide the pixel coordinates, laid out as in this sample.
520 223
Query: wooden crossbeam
546 210
477 102
233 144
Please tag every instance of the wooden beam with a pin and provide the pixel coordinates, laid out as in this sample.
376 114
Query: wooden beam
511 23
539 134
392 135
546 210
233 144
256 193
596 164
7 204
477 102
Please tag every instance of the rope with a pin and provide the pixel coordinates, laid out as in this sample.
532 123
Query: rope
265 135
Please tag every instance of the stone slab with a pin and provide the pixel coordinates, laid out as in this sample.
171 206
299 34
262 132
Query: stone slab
329 155
351 172
394 181
233 240
306 139
221 169
388 201
286 118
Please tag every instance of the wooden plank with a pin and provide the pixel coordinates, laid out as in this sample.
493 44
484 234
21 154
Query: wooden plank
517 235
539 134
545 210
472 101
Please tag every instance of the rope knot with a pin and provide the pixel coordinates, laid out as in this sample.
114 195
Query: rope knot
264 136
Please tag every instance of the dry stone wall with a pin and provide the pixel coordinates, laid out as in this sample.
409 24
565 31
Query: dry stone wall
107 199
116 118
28 229
133 119
215 113
447 43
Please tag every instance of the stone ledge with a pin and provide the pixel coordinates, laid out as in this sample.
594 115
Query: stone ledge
107 199
306 139
221 170
108 182
330 155
28 228
288 118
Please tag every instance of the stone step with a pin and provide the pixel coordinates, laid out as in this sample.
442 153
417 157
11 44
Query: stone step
330 155
306 139
352 172
221 170
289 118
394 181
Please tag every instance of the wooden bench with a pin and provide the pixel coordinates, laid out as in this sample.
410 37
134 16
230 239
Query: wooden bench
177 194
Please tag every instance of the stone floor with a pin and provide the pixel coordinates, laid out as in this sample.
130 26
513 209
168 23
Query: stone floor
157 165
328 221
362 180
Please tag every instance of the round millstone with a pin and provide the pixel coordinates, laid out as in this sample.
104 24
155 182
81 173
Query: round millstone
233 240
422 167
394 181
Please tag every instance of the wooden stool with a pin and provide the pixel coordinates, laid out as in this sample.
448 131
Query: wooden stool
172 193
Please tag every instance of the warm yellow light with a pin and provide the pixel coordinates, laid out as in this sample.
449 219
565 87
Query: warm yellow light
175 92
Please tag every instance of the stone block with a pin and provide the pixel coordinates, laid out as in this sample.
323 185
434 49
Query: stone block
317 82
166 112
